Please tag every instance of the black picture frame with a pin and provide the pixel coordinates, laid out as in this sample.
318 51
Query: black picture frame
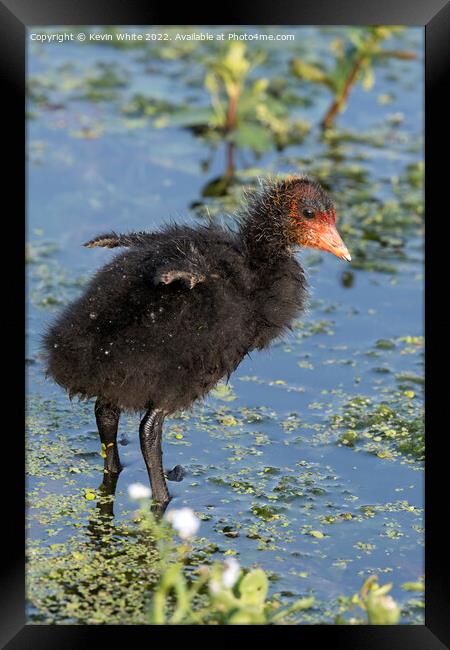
434 16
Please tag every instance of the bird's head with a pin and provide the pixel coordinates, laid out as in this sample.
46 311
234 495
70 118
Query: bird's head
310 216
294 211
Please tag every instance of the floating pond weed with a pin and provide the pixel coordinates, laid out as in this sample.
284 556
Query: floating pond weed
310 476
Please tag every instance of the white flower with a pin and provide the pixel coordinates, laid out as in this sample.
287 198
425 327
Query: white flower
388 603
231 573
215 586
138 491
184 521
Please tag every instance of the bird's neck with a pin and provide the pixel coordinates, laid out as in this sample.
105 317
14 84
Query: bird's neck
263 229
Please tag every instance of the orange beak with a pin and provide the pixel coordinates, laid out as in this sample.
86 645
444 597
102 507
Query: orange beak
328 239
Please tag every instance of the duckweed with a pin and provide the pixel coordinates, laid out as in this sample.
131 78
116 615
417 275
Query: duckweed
309 463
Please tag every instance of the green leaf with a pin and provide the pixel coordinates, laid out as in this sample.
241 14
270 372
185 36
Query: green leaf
223 392
253 588
190 117
217 187
302 603
260 86
211 83
368 78
382 610
413 586
246 616
299 605
308 72
253 136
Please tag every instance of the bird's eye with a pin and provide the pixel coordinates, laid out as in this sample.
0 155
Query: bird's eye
309 214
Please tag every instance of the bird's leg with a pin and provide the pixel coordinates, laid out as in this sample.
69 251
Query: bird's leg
150 432
107 418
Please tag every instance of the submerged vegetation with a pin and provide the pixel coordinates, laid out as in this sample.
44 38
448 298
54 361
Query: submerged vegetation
306 469
140 573
356 56
389 424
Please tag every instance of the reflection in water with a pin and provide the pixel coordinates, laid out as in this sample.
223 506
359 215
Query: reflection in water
104 514
220 185
101 521
229 172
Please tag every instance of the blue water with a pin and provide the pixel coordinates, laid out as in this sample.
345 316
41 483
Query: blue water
137 178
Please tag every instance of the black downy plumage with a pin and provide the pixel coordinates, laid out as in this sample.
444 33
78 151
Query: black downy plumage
164 321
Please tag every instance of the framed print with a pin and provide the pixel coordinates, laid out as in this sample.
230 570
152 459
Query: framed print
225 415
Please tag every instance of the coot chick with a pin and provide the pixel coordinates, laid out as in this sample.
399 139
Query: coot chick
162 323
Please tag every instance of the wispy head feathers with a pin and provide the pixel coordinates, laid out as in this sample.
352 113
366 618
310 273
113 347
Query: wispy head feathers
264 216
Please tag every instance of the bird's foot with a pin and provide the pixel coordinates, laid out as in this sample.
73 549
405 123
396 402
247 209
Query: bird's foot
176 474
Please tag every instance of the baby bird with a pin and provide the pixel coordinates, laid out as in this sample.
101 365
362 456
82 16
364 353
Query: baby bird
164 321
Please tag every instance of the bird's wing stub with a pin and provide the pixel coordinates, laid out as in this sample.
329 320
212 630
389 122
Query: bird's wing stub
117 240
188 266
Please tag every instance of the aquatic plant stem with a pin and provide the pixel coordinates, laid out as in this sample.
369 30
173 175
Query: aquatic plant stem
231 117
340 101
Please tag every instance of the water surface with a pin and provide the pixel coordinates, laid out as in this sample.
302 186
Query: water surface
266 458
